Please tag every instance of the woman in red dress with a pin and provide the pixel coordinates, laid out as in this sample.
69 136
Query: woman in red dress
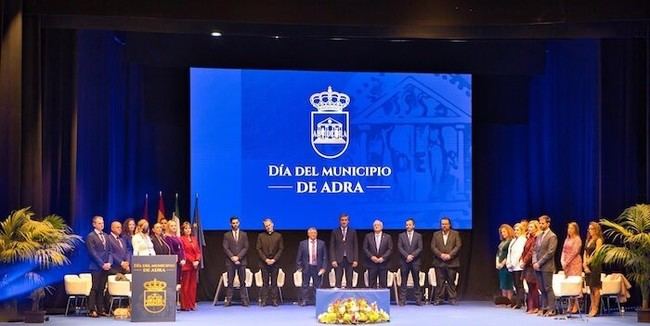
189 274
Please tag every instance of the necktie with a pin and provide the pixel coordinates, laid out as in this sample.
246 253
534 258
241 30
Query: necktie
236 236
312 260
410 237
120 242
345 231
378 242
101 237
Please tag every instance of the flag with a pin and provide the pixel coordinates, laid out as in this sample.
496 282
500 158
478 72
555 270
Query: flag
176 217
197 228
145 213
161 208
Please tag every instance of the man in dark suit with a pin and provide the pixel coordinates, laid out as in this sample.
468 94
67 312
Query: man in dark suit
378 246
119 250
544 265
409 244
100 265
235 245
445 246
344 251
311 261
269 248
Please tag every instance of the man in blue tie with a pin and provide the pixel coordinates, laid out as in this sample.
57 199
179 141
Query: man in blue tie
409 244
100 265
378 246
311 262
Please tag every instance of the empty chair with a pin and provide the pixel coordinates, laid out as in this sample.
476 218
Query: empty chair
118 290
77 289
332 279
236 283
568 288
431 277
611 289
280 282
409 280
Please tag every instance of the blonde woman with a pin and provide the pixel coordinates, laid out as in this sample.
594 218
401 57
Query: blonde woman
532 300
592 270
514 265
507 234
142 245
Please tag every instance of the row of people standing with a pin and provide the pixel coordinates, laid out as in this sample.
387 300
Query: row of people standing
314 258
112 253
527 253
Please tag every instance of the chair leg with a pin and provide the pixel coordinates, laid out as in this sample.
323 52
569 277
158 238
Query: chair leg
216 293
618 302
280 292
67 306
110 308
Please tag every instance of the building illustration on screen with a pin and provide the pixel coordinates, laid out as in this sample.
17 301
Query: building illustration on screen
330 125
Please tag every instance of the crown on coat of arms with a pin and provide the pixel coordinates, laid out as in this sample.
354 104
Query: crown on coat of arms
155 285
329 101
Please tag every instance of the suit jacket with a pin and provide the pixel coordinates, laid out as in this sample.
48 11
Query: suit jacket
350 246
385 248
237 248
452 248
118 253
160 246
544 251
405 249
302 259
100 253
192 250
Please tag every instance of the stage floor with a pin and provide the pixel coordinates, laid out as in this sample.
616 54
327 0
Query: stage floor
465 313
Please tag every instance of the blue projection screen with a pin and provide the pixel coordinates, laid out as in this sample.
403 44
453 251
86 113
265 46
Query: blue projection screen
302 147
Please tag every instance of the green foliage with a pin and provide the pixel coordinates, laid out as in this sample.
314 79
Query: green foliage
630 246
44 243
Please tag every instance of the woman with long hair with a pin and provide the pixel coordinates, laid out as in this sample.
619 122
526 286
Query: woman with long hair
160 246
513 262
592 270
571 260
532 300
142 245
506 234
128 231
189 275
176 246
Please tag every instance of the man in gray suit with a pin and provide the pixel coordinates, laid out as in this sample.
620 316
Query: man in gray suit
235 245
409 244
445 245
544 265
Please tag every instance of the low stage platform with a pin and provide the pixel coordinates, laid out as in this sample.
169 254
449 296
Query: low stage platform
465 313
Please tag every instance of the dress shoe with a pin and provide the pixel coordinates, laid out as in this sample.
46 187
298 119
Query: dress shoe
227 303
453 302
93 314
302 303
245 303
550 313
103 314
402 303
418 302
275 303
437 303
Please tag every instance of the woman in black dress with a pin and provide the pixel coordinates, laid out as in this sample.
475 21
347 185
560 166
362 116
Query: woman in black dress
592 270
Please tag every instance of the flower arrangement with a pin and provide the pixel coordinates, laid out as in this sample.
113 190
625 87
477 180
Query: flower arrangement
353 311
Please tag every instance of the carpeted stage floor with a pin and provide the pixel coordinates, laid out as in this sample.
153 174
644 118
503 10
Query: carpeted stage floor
466 313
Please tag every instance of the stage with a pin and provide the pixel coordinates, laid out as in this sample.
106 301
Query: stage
466 313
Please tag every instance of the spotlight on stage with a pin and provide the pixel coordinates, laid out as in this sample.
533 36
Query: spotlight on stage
216 34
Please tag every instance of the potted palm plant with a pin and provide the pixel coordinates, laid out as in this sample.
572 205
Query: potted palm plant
41 244
630 248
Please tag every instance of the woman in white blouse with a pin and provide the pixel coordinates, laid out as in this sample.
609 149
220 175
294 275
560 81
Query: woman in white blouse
515 264
142 245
